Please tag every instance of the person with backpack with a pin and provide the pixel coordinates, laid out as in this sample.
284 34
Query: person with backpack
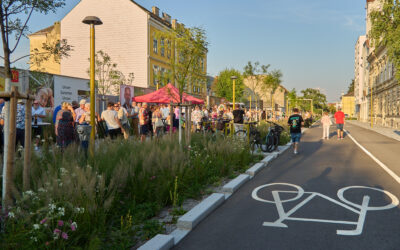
295 123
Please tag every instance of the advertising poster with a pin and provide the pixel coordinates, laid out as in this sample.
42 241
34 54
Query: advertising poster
126 95
69 89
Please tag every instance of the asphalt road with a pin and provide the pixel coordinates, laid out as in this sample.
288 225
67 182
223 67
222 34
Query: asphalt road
318 217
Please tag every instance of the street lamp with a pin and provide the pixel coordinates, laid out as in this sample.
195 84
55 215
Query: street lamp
92 21
234 83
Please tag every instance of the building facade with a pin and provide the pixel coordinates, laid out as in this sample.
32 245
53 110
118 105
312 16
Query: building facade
379 99
348 104
359 78
129 35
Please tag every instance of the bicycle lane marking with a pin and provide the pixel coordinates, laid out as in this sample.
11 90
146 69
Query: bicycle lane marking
361 209
383 166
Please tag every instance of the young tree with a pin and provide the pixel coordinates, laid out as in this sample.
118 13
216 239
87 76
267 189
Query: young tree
385 31
223 84
271 83
14 18
109 78
254 74
189 49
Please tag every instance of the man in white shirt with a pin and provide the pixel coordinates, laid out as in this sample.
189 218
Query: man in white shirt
114 126
165 111
81 110
38 113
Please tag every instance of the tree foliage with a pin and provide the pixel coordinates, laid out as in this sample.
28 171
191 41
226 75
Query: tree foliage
109 78
351 87
14 18
223 84
271 83
319 99
385 31
189 52
254 74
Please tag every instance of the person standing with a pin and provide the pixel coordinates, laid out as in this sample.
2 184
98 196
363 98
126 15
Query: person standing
144 122
64 128
38 113
80 111
326 123
110 116
123 118
295 123
339 118
135 118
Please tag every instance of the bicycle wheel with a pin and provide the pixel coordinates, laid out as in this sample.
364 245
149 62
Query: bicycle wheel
276 142
269 142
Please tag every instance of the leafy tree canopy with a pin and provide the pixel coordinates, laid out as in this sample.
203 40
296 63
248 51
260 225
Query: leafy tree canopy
223 84
351 87
385 31
319 99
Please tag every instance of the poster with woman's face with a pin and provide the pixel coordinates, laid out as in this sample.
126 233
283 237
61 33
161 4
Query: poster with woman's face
42 85
126 95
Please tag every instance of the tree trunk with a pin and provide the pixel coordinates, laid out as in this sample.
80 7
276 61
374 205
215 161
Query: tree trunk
7 182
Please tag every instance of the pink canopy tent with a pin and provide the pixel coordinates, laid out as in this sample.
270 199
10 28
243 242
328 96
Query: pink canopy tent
167 94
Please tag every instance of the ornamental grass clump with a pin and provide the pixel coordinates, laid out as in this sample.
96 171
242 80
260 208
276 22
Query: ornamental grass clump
126 179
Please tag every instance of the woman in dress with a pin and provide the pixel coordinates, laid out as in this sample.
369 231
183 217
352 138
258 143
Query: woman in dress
65 132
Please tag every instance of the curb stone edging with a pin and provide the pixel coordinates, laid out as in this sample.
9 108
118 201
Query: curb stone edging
193 217
159 242
235 184
189 220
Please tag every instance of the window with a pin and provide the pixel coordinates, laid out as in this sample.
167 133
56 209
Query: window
194 89
155 45
162 47
155 72
168 49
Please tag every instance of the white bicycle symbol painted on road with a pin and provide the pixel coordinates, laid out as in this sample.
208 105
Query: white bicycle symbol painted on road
360 209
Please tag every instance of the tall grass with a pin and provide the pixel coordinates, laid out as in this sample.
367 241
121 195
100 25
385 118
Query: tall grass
126 178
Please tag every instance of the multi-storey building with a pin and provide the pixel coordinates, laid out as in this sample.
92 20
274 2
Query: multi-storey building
129 35
383 88
359 78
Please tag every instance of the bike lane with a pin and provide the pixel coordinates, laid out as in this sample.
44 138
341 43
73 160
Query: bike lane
312 221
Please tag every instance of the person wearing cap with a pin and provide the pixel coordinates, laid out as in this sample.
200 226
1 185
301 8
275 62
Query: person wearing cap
80 111
38 113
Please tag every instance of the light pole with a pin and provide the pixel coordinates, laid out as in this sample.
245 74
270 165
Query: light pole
92 21
234 83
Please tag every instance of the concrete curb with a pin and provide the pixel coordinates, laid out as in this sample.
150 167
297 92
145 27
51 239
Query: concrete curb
192 218
189 220
235 184
255 169
159 242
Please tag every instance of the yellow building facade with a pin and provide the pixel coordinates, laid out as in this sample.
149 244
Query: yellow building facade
50 35
348 104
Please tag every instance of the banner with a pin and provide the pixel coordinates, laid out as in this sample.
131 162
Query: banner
126 95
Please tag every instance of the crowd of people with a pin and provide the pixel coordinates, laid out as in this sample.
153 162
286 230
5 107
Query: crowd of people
72 120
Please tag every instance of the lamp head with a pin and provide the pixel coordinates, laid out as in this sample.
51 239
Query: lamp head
92 20
234 77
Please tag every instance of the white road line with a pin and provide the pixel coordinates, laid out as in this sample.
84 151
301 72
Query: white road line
388 170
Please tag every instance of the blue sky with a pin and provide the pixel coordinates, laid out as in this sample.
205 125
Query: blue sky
310 41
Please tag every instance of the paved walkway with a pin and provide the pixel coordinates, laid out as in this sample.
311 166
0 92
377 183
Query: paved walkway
389 132
330 196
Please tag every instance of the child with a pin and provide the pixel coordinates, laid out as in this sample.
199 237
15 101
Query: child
326 123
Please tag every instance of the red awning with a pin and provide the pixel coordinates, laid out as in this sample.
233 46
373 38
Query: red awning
167 94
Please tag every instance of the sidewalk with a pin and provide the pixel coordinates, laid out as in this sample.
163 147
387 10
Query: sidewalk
389 132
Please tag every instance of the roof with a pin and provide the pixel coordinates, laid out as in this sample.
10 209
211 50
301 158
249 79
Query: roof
349 94
43 31
152 14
